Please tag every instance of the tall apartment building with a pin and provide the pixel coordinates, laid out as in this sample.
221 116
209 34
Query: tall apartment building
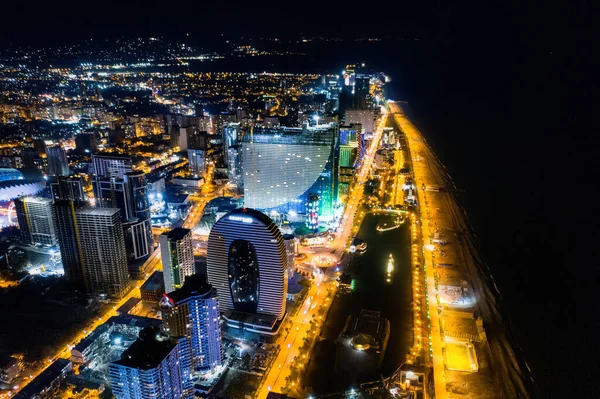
68 188
197 161
151 368
68 240
36 220
231 136
291 247
235 167
192 311
177 257
58 164
103 255
111 166
117 186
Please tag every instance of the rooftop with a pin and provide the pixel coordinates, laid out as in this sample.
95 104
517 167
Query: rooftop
110 155
98 211
153 282
150 349
222 204
44 380
36 200
194 285
178 233
130 320
7 361
129 305
247 213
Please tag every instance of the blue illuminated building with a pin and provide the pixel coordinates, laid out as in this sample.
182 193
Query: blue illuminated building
192 311
284 167
150 368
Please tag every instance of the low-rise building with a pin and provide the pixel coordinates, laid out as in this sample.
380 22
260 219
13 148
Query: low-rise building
47 383
128 306
153 288
191 182
130 325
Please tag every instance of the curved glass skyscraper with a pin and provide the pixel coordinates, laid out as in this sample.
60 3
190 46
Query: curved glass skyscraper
246 263
282 167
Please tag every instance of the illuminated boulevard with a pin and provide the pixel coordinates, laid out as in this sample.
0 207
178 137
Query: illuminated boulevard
440 212
275 378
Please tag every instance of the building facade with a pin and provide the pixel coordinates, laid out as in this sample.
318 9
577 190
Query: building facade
118 187
197 161
36 220
68 188
193 312
231 136
282 167
247 263
150 368
291 247
366 117
68 241
58 164
235 168
103 255
111 166
177 256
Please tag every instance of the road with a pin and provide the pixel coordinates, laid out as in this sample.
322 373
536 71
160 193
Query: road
290 345
427 169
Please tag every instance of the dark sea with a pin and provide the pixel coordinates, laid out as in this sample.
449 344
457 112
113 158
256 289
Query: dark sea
510 124
511 120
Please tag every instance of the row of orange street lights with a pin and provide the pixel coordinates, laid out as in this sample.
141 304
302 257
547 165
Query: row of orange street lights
420 295
442 389
354 227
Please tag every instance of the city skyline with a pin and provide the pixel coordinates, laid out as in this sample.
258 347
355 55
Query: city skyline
244 211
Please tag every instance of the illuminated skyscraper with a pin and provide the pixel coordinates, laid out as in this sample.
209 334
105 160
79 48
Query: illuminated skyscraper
197 161
231 136
68 188
177 257
192 311
235 168
111 166
282 167
117 186
360 151
291 246
312 220
104 259
247 262
36 220
58 165
68 240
